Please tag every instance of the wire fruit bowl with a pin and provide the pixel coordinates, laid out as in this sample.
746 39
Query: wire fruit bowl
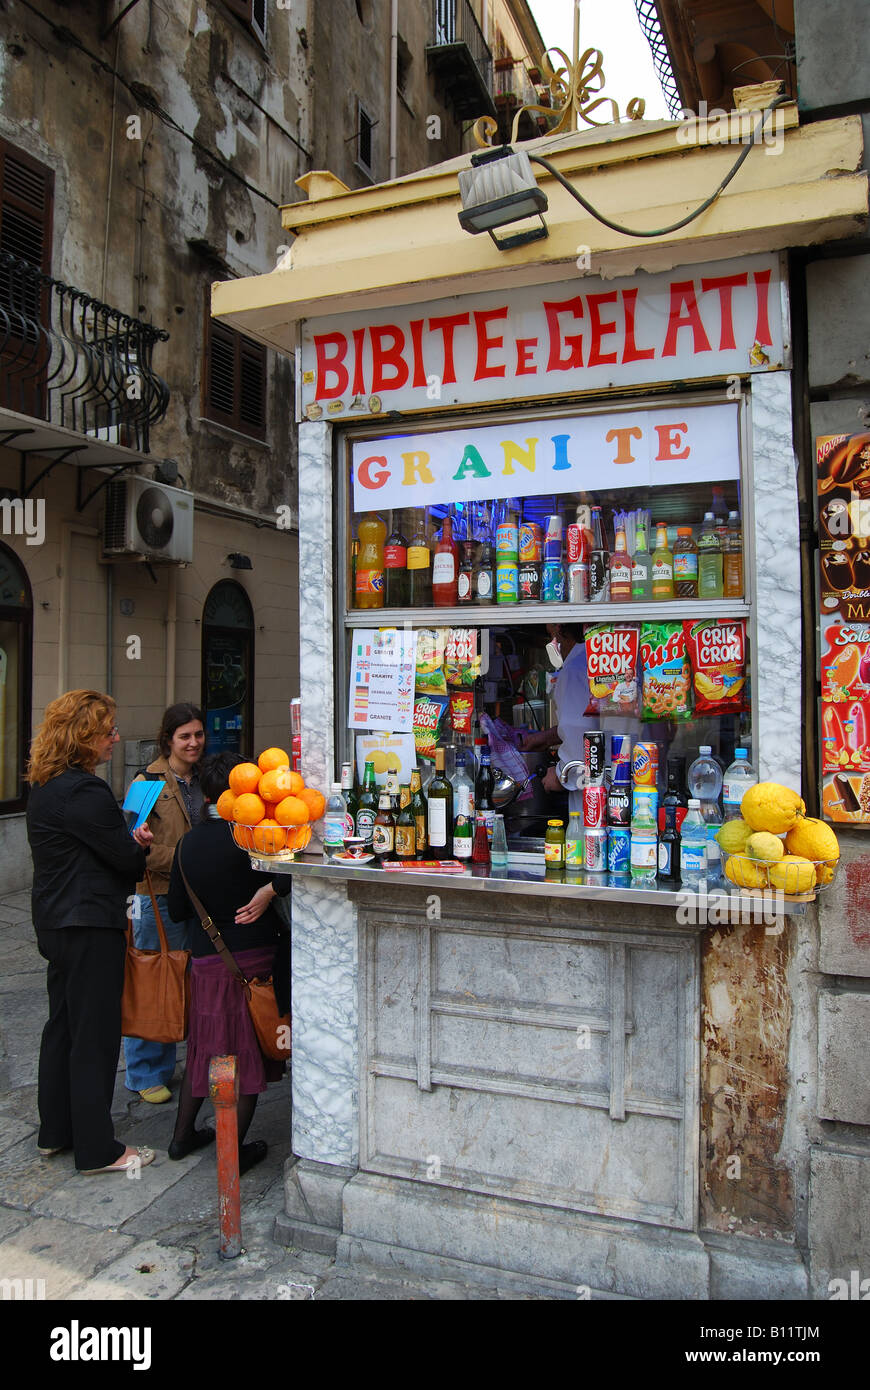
752 876
272 841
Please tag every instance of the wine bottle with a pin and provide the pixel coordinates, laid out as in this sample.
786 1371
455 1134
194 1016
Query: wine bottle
440 811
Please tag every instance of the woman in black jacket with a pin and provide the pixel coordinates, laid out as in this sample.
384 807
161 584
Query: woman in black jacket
238 900
85 867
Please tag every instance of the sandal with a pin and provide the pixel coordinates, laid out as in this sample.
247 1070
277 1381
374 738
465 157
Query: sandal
128 1162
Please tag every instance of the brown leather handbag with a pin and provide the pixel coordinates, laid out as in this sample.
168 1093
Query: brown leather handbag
155 1004
272 1029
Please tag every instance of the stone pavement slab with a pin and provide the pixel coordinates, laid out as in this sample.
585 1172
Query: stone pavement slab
147 1270
12 1130
110 1199
63 1253
25 1177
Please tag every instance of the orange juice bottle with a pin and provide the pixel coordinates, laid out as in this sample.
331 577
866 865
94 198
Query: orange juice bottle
369 583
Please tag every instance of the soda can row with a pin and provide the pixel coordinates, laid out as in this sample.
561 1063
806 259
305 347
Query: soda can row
607 851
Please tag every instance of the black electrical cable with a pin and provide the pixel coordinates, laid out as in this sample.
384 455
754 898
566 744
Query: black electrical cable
684 221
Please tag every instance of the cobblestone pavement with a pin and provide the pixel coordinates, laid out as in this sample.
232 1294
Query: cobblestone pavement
110 1238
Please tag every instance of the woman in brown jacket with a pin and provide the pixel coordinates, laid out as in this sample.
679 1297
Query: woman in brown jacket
181 742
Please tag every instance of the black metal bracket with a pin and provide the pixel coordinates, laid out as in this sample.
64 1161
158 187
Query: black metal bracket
81 502
66 451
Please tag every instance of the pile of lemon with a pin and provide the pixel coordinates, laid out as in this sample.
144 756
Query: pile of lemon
775 844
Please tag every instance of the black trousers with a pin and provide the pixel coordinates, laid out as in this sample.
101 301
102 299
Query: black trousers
78 1058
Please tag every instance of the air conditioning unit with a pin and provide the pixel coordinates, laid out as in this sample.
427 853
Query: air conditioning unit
148 521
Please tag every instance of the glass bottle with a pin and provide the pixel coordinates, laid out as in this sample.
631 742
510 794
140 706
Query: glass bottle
396 566
393 789
465 582
574 841
461 779
445 568
483 787
384 830
620 571
418 810
440 811
367 806
463 825
554 844
419 564
406 826
498 850
685 564
641 578
662 566
599 566
351 800
369 582
484 564
732 560
709 560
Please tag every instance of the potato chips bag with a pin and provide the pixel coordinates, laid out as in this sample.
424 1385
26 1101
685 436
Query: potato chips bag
666 673
430 677
717 652
461 659
611 665
429 711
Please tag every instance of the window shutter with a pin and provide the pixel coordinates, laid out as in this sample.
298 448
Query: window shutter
26 207
252 387
221 374
235 381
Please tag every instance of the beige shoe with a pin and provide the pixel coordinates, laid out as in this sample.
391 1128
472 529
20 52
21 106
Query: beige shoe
130 1161
156 1095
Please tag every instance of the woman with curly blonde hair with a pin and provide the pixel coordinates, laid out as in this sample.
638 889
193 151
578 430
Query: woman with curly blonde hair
85 866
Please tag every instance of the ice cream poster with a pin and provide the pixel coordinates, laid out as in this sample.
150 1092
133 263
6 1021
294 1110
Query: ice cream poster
382 665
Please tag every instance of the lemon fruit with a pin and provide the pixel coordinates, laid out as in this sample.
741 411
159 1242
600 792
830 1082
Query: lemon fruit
746 873
770 806
764 846
824 874
793 874
733 835
812 839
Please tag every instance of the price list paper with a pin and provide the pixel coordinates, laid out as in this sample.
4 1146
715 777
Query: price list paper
382 670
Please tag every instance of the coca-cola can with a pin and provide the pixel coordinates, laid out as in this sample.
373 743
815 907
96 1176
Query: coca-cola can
578 545
593 756
594 807
578 582
553 538
595 851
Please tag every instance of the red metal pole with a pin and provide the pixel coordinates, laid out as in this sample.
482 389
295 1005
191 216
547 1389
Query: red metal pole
223 1088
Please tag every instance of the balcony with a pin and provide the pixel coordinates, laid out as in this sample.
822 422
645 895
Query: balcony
460 60
77 365
515 88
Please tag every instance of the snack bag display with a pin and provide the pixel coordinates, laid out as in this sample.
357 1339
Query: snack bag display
461 711
430 677
666 673
611 665
461 659
428 714
717 652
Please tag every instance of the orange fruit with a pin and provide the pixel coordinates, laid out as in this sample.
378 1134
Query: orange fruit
224 805
277 784
298 838
244 778
248 809
243 836
292 811
270 809
269 837
314 800
272 758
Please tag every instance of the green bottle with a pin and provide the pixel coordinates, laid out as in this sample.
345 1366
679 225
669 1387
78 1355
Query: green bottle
367 807
351 800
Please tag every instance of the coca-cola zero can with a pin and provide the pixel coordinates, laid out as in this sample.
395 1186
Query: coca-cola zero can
593 756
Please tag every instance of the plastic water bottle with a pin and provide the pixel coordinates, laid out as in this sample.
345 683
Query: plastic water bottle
739 777
705 784
334 829
693 846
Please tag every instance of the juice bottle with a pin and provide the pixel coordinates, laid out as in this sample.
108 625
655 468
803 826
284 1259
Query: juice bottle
369 582
445 569
709 560
620 571
662 565
732 559
685 564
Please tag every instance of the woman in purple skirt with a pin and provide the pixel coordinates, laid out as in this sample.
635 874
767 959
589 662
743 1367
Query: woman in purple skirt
239 901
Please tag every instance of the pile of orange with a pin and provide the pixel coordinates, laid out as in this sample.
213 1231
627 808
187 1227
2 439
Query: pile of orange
270 805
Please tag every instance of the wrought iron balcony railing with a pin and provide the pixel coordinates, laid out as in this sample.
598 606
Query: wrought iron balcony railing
73 361
460 56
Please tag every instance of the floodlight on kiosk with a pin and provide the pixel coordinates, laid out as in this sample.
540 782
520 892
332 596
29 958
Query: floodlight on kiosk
498 190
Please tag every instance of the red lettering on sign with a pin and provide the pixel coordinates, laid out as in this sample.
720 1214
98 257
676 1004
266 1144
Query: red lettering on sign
416 326
330 364
762 295
364 473
447 324
556 362
597 358
359 383
683 296
388 356
623 437
482 318
669 442
525 364
631 352
725 284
